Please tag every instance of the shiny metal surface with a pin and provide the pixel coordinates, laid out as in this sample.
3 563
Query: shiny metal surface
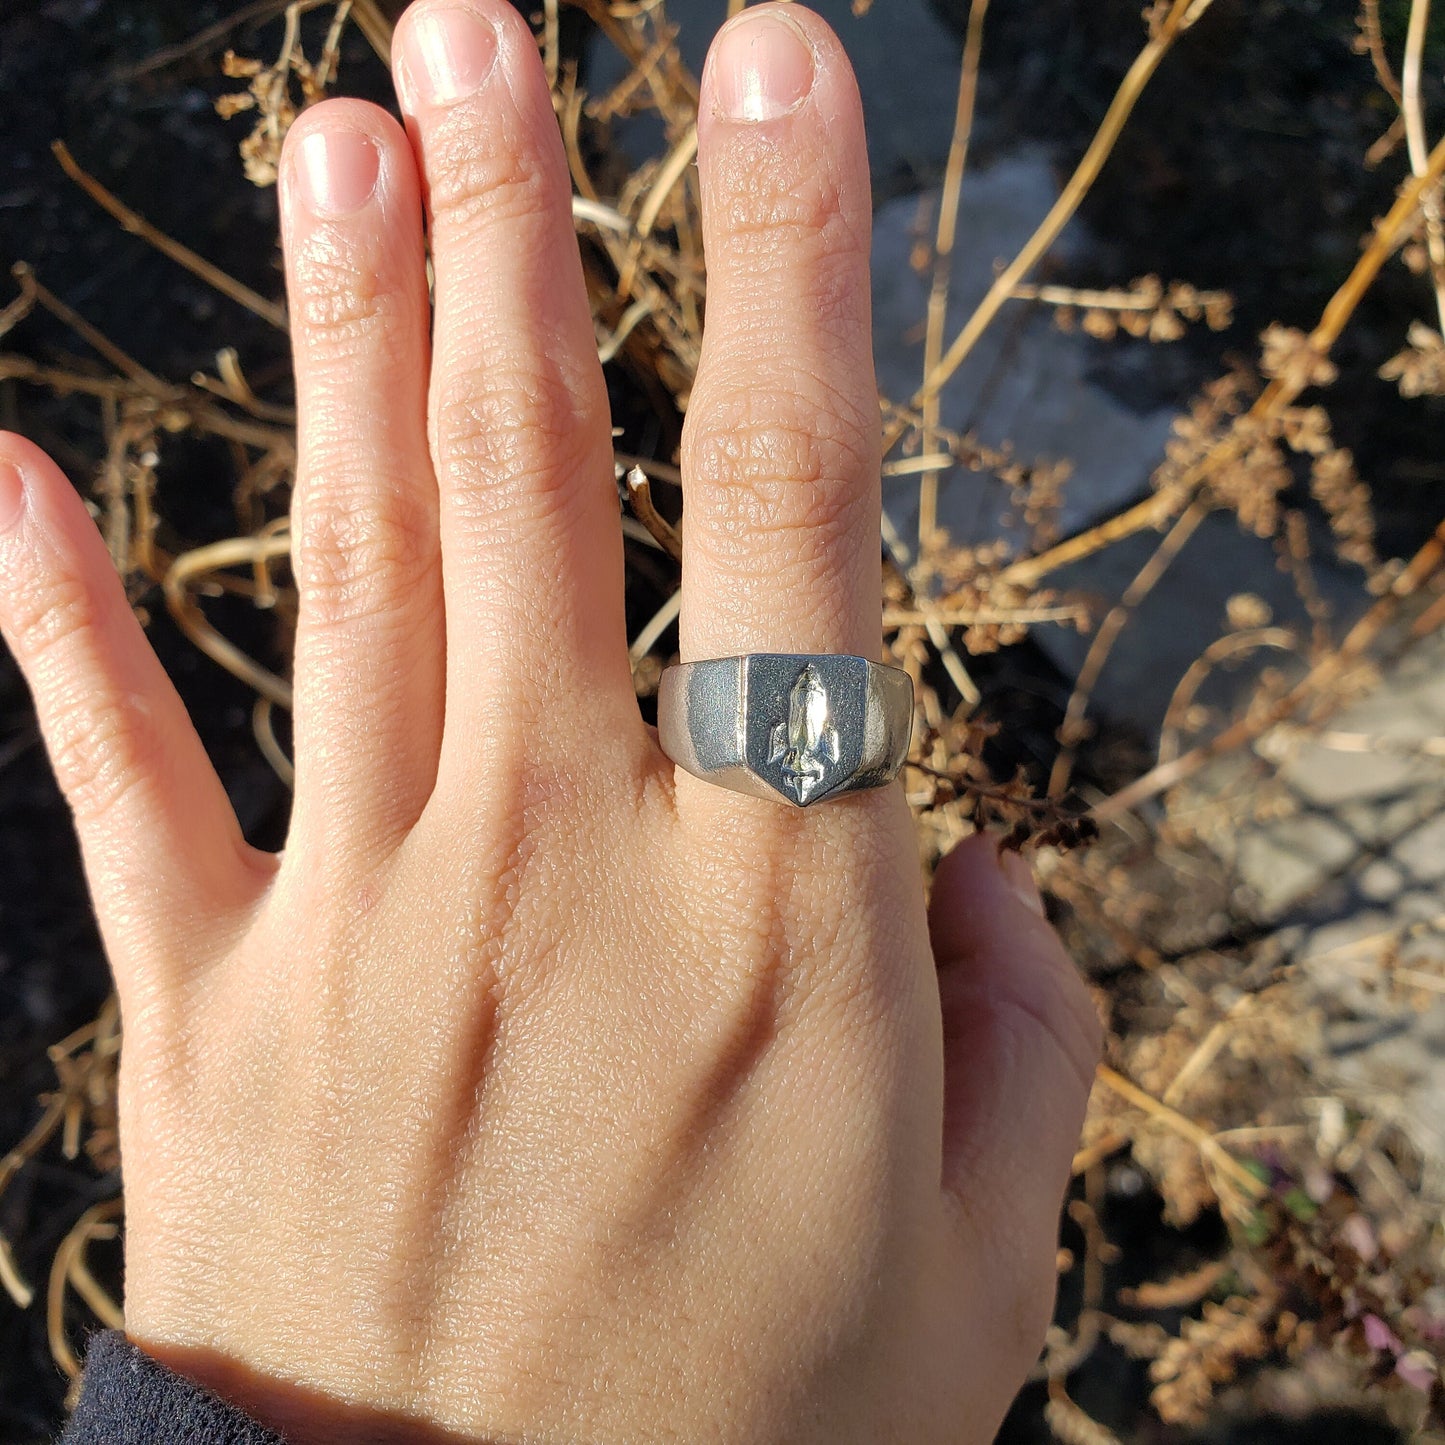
794 727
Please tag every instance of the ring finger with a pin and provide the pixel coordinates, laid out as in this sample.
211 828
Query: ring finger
781 446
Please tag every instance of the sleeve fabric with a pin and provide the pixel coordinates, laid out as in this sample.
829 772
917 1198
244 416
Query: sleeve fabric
126 1398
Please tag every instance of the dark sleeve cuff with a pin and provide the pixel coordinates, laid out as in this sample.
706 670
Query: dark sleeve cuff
126 1398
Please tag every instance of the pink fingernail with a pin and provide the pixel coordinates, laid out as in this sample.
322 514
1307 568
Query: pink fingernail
1020 878
12 496
446 54
762 67
336 172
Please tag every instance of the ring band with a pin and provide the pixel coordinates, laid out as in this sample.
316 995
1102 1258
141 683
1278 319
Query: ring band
793 727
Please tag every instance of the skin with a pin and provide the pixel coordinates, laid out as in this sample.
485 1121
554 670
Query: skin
537 1092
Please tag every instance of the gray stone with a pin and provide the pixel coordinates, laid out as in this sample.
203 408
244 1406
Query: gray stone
1421 854
1026 383
1287 860
1183 614
1357 872
909 107
1394 1076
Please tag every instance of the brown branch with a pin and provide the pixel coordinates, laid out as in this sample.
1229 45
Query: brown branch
179 409
639 493
94 1223
1186 1128
1076 612
1423 565
96 339
669 173
187 572
1182 14
1418 148
21 307
943 260
137 225
1116 299
44 1129
953 664
375 26
1230 645
1375 47
201 40
659 622
1103 641
1154 510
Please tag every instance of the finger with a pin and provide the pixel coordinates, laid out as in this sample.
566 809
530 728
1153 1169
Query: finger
163 851
780 451
531 531
370 633
1021 1039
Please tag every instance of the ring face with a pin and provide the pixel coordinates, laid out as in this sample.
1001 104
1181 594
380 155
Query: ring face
794 727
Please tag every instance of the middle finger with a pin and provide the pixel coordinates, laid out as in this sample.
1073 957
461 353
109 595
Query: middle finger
530 521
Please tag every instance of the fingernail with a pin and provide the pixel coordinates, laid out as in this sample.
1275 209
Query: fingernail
445 56
12 496
762 67
336 171
1020 877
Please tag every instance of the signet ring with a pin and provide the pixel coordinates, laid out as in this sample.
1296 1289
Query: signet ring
794 727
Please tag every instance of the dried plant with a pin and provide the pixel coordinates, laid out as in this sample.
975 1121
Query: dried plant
1145 309
1206 1354
1072 1426
1208 1086
1420 367
270 91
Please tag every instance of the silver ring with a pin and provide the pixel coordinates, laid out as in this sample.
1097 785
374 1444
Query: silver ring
793 727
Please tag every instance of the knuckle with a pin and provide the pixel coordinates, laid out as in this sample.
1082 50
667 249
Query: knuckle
522 428
48 614
354 559
758 465
774 197
338 294
491 183
792 248
787 210
100 742
100 748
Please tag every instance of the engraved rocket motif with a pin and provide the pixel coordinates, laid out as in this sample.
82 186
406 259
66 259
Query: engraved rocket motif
807 737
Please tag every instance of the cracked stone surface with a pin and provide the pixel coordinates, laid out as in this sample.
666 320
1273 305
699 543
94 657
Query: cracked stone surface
1353 852
1026 383
1355 874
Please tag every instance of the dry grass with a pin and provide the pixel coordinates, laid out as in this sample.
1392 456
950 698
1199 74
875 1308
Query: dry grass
1332 1245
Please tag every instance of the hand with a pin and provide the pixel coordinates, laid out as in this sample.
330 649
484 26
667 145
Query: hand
537 1092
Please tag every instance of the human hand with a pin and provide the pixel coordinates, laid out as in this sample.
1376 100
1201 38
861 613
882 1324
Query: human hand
536 1092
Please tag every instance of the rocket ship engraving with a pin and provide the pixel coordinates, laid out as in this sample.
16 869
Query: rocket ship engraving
807 737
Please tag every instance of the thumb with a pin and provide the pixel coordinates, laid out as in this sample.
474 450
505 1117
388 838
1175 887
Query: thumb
1021 1040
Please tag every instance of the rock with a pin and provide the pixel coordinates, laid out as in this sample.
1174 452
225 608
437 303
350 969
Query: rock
909 103
1356 872
1026 383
